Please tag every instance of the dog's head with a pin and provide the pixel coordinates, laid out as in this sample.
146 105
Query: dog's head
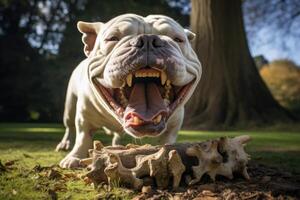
141 69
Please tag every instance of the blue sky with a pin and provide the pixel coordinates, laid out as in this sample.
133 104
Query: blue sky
266 37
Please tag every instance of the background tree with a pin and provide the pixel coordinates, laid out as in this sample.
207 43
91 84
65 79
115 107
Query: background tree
231 92
40 46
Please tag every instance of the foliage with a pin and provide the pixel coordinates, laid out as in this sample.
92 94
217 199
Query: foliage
283 79
40 46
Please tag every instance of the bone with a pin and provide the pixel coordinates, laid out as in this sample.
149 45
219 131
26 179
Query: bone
208 158
176 167
127 165
98 145
86 161
117 174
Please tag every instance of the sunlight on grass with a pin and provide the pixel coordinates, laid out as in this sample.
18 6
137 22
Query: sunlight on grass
33 144
33 130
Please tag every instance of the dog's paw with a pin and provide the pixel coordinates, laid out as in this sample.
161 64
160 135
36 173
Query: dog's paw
64 145
70 162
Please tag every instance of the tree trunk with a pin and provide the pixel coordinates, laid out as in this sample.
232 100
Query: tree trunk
231 91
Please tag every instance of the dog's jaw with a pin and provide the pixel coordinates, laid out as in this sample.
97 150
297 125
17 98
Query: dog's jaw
142 83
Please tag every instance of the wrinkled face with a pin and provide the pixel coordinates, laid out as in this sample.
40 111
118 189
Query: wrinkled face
142 69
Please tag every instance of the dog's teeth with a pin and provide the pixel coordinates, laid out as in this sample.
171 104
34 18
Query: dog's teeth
123 98
129 80
168 82
157 119
163 77
167 92
137 120
166 102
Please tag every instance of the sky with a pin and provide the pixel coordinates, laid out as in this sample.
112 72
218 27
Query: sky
265 39
268 40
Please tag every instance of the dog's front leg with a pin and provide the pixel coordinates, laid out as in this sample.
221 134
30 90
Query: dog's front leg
83 143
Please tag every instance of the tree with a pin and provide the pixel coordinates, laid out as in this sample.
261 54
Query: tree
40 46
230 92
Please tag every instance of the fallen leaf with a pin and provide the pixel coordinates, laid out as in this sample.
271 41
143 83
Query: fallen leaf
54 174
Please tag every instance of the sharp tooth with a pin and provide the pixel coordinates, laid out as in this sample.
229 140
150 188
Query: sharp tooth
135 120
163 77
129 80
168 82
167 102
158 118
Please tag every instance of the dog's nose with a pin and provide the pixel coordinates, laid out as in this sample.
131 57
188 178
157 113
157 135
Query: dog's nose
147 41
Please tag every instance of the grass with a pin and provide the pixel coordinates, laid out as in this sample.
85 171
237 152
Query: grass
33 144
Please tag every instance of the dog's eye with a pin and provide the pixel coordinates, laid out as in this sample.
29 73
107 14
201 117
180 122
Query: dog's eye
177 39
113 38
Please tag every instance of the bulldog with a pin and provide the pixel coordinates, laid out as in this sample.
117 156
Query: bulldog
138 74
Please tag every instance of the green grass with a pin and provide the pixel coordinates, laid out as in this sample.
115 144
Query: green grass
33 144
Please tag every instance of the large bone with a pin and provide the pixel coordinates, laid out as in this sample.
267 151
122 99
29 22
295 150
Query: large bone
128 165
237 157
208 157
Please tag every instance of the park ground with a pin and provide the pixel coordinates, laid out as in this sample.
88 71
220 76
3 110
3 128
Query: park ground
27 152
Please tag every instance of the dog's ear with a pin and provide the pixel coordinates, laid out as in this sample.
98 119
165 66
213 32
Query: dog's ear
190 35
90 32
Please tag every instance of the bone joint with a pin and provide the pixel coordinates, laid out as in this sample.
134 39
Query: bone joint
167 165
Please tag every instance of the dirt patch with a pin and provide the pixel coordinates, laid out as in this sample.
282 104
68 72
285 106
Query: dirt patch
265 183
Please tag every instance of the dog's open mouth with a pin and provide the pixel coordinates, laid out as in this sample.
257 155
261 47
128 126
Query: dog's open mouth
145 101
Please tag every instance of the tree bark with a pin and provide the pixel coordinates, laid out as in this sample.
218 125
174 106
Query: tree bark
231 91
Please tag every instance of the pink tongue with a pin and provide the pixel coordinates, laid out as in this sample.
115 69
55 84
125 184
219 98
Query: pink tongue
145 101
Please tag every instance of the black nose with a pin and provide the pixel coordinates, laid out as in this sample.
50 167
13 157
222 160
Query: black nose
147 41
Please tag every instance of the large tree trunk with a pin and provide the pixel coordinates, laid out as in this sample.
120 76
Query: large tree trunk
231 91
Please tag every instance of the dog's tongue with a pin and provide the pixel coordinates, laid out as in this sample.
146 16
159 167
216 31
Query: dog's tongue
145 101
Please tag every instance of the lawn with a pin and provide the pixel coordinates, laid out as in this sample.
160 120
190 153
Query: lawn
31 145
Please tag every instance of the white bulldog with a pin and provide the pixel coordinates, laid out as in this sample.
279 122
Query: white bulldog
138 74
